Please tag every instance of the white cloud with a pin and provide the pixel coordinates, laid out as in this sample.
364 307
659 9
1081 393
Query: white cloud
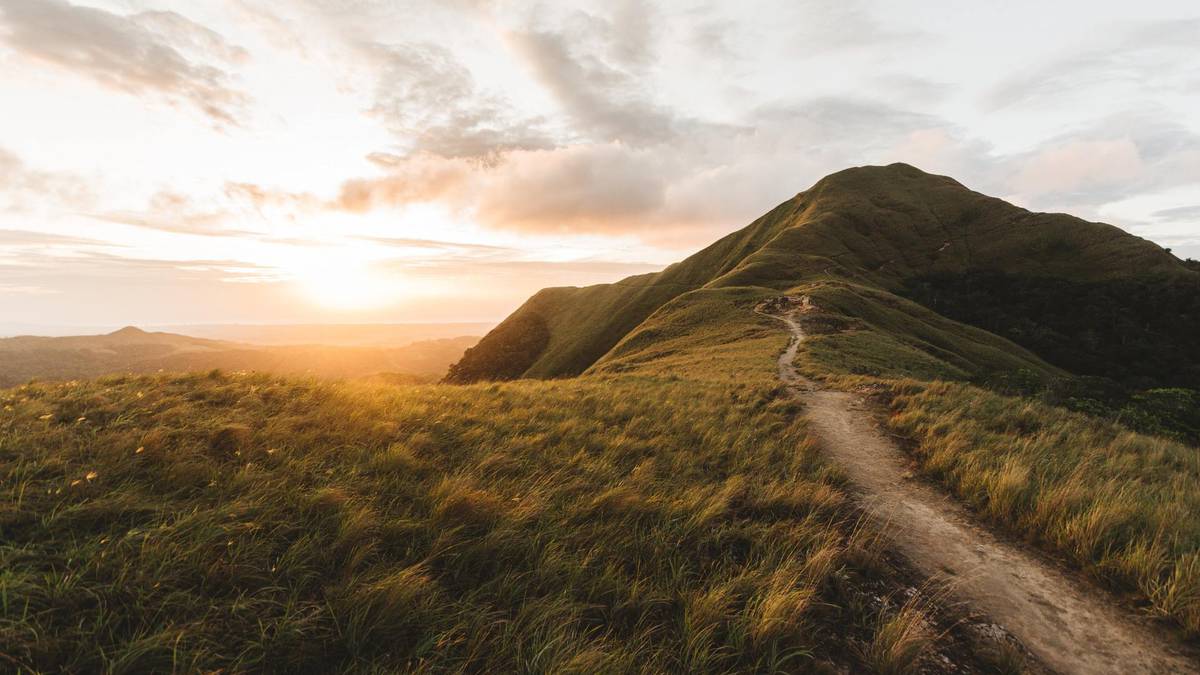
1079 165
618 131
137 54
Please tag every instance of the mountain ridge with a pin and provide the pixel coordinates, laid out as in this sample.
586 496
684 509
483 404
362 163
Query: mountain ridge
870 229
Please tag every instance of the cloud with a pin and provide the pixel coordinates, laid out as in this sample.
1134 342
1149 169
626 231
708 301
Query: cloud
1111 160
430 100
215 215
172 212
601 68
678 194
1148 56
444 246
605 102
7 289
1078 165
535 272
1179 214
605 188
418 179
26 238
85 264
830 25
168 211
137 54
262 197
185 34
23 188
591 188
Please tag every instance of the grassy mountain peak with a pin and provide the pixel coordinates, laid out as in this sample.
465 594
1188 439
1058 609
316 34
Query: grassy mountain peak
865 233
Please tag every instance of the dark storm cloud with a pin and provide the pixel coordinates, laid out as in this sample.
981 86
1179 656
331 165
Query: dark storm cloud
138 54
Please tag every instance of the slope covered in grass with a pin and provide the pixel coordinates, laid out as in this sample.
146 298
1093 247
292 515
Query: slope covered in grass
877 228
1122 506
629 523
1031 302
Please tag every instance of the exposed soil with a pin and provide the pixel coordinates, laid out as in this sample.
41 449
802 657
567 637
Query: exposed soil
1067 625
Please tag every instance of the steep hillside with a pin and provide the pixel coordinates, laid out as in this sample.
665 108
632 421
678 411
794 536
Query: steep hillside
131 350
858 238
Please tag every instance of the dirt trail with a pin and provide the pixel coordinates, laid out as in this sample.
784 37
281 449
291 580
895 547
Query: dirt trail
1067 626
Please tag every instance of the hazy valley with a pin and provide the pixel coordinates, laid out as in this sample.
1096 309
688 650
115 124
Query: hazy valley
412 352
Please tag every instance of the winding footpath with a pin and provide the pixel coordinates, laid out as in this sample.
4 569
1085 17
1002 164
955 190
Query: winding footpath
1067 626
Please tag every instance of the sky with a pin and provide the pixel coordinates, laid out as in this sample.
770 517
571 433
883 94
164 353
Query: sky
273 161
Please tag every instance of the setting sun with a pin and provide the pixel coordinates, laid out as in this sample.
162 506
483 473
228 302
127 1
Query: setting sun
346 283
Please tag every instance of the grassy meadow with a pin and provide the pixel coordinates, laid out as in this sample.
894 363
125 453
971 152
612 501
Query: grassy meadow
606 524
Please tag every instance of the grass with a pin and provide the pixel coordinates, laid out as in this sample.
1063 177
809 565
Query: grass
711 335
869 228
883 335
902 637
246 522
665 513
1120 505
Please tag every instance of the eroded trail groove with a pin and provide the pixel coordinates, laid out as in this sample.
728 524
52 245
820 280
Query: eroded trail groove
1066 625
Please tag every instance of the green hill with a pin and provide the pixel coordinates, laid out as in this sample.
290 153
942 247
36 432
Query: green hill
666 511
1066 337
857 241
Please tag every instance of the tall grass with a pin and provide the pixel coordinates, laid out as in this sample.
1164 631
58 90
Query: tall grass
245 522
1122 506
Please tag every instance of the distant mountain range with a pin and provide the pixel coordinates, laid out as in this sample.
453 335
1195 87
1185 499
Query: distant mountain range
132 350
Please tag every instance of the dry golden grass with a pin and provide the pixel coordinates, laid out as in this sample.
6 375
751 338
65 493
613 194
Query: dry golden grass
245 522
1122 506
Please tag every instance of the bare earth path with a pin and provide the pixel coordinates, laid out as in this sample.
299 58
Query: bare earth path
1067 626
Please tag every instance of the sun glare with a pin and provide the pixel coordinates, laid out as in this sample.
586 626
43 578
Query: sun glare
347 285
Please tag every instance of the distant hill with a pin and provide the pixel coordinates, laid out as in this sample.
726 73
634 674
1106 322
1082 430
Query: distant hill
132 350
343 335
892 252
